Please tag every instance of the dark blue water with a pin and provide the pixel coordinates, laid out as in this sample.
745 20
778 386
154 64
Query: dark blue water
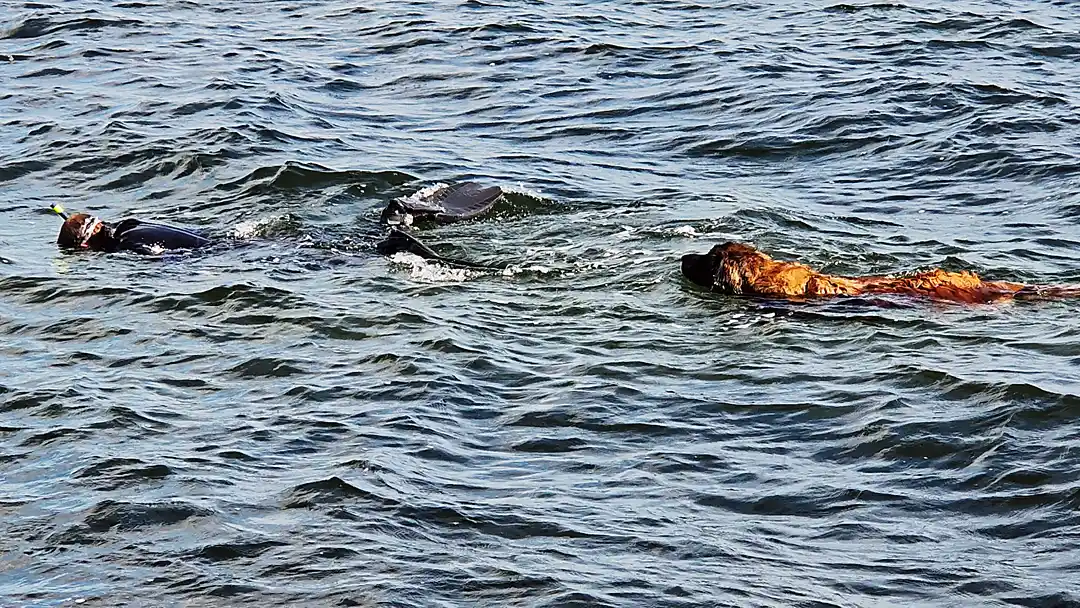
292 420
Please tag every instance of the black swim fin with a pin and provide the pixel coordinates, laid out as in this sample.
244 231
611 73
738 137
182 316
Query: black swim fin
399 241
467 201
443 206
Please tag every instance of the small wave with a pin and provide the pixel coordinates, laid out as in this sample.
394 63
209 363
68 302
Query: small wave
15 170
333 490
48 72
873 6
239 549
267 367
114 473
243 298
771 148
110 514
293 175
35 27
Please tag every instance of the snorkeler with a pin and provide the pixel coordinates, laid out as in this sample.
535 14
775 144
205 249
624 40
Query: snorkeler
441 205
83 231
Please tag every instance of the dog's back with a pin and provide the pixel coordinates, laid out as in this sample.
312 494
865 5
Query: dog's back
942 285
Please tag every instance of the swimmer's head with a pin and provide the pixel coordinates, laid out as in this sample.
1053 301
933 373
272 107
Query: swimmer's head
78 231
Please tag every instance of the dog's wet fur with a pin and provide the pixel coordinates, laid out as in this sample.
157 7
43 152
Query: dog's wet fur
740 269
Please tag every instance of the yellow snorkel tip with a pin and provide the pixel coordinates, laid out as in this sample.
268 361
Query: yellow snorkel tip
58 210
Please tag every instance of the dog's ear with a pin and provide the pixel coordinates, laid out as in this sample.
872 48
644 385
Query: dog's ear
729 275
737 266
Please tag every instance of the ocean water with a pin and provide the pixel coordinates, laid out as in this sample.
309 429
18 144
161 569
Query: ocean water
289 419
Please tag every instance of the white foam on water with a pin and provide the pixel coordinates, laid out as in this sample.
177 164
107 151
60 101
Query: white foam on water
251 228
245 229
680 231
424 195
510 271
260 227
520 188
742 320
431 272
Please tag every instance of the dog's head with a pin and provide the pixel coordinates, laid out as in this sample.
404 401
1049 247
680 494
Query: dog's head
730 268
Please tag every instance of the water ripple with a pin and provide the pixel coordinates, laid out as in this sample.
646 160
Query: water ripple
287 419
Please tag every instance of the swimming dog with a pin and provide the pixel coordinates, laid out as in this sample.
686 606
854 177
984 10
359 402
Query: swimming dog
740 269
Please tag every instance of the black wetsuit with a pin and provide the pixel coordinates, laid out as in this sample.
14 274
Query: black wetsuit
144 237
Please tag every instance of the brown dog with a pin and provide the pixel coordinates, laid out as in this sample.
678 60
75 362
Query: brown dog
736 268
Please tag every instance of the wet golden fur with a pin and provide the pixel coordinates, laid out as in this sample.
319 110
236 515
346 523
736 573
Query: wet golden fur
737 268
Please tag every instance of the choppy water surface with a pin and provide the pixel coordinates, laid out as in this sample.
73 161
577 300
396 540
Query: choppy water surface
291 420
